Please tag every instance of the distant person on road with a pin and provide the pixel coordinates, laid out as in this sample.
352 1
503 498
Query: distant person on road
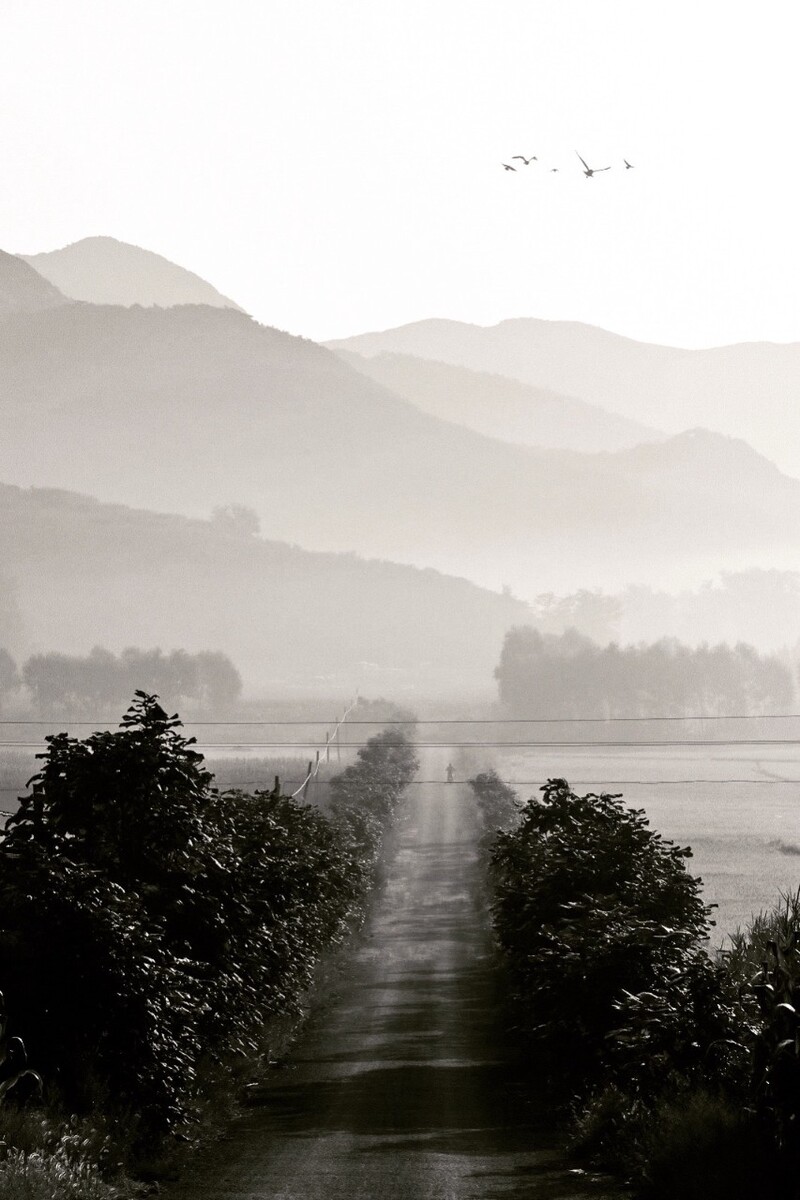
450 773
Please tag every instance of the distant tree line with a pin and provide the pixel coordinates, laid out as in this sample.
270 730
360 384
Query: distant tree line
568 675
761 607
62 682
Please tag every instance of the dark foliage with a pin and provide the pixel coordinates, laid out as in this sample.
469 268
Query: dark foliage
497 803
776 1044
374 784
673 1057
150 925
590 906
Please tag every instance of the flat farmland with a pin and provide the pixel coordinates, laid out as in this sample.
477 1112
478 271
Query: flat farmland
738 807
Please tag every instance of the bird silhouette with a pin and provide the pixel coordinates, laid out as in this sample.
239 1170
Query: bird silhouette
527 161
508 168
590 171
553 170
628 166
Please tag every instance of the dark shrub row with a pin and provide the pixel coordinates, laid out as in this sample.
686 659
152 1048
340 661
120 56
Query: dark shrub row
150 926
660 1046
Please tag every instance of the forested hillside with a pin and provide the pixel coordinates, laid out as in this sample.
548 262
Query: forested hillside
80 573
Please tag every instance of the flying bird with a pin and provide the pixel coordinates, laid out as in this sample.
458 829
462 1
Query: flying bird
628 166
590 171
527 161
508 168
553 170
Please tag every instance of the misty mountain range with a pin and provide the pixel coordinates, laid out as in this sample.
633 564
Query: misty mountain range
501 407
182 406
747 390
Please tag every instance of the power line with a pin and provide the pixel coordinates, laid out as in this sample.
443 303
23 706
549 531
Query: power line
267 785
496 744
191 722
575 782
648 782
314 770
259 783
486 744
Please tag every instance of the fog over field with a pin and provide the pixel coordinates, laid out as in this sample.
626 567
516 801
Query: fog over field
406 397
386 515
512 506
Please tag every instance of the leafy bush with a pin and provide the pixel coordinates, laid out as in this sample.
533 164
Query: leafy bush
497 803
681 1060
150 925
93 986
590 904
43 1159
59 1175
706 1147
375 782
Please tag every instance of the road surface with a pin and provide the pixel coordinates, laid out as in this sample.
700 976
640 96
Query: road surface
399 1089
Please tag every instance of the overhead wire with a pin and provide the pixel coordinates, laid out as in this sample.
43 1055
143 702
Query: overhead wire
265 784
314 771
490 744
191 722
484 743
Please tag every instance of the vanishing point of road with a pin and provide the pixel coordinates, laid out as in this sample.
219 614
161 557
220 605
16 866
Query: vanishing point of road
400 1088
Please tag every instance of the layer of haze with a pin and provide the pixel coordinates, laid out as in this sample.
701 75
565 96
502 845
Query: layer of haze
336 168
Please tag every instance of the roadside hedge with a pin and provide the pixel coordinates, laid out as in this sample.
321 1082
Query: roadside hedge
150 926
682 1067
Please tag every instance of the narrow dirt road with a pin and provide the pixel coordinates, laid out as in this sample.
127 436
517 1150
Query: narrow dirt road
399 1090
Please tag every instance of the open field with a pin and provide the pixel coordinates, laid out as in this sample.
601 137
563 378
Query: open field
744 828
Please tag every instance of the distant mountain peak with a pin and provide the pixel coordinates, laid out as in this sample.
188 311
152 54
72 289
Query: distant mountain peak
708 454
22 289
699 440
104 270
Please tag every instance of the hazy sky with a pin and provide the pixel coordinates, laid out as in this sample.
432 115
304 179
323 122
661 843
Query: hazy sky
335 166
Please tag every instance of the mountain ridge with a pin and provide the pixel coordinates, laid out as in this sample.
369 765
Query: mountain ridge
744 389
23 289
189 407
105 270
498 406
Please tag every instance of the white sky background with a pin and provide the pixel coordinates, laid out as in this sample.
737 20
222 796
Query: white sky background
335 166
